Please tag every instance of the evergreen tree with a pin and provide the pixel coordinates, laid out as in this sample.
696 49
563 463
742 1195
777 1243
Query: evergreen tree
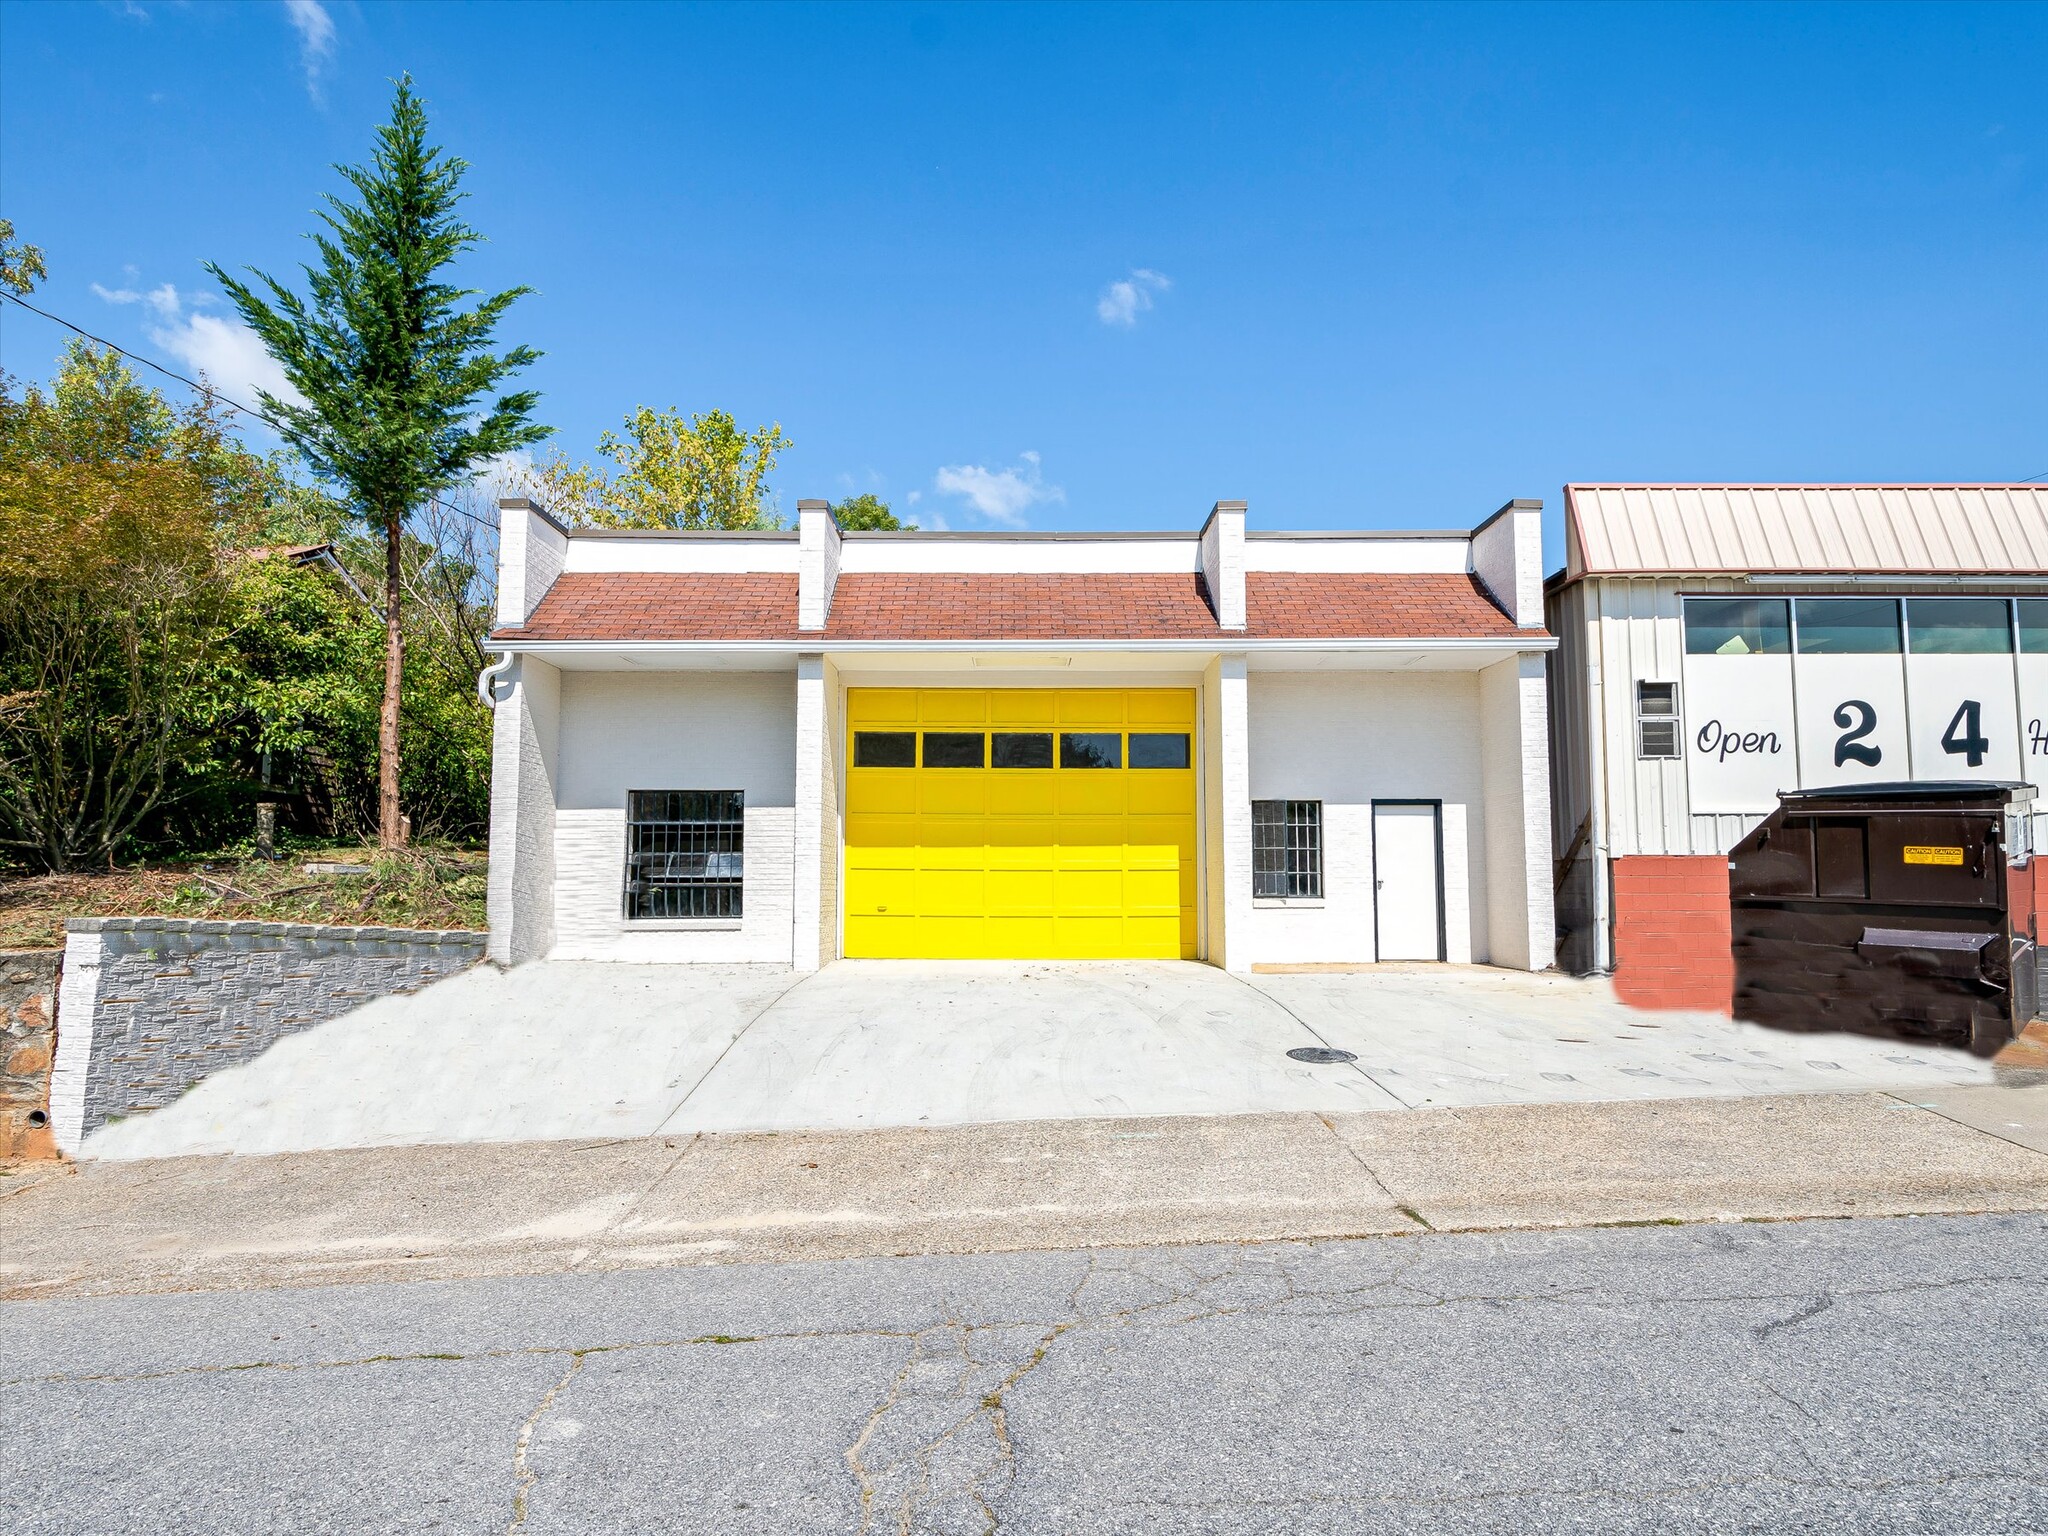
393 368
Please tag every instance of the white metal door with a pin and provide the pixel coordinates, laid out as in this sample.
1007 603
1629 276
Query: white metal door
1407 884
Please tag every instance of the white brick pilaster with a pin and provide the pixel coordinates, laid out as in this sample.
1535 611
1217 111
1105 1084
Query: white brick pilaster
524 731
532 549
817 563
1228 812
1222 545
1507 557
78 993
1514 729
813 776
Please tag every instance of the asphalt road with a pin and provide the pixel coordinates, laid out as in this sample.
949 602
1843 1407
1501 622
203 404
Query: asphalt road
1869 1375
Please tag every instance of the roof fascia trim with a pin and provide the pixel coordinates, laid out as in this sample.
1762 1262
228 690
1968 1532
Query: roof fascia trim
1520 641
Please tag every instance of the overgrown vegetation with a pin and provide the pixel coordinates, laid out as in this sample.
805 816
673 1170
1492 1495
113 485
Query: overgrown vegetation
413 888
185 629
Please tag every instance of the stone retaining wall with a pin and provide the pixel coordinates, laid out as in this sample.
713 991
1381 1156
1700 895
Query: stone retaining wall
149 1006
28 987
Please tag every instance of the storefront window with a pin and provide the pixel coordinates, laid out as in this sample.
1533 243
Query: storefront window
1959 626
2034 625
1737 626
1848 626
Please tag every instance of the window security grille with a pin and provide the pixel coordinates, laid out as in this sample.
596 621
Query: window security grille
684 852
1656 719
1287 848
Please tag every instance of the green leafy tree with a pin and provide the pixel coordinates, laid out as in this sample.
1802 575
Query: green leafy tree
397 374
671 472
21 266
868 511
117 518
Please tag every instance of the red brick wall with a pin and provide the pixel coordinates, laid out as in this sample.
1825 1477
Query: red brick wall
1671 935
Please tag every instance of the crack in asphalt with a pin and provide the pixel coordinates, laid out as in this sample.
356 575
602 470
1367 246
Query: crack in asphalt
914 1486
524 1477
1812 1309
1186 1291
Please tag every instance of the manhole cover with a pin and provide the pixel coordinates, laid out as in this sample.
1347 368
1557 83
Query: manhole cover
1321 1055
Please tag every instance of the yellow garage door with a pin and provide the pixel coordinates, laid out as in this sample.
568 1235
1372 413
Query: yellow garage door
1020 823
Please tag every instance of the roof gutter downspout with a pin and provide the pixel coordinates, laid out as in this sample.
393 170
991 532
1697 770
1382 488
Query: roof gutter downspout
486 680
1596 773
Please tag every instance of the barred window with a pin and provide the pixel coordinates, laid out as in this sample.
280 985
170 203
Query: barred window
684 852
1287 848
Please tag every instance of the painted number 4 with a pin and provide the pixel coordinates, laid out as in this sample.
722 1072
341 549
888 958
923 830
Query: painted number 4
1964 737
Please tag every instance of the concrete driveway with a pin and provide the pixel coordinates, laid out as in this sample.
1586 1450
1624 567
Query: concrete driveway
592 1050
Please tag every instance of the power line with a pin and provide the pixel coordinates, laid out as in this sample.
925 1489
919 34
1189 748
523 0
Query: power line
209 391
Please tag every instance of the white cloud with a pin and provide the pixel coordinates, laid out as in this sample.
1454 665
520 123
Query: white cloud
224 353
228 356
1000 495
1129 297
913 498
316 39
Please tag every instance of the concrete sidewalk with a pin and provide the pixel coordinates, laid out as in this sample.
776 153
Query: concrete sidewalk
579 1051
456 1211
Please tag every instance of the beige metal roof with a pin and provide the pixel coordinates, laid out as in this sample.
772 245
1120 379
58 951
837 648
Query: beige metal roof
1806 529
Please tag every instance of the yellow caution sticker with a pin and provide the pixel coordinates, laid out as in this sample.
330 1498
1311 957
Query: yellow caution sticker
1924 853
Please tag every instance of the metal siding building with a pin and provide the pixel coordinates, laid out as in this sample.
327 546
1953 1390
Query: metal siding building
1637 554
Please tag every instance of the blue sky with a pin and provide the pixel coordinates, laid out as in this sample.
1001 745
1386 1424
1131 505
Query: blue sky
1064 267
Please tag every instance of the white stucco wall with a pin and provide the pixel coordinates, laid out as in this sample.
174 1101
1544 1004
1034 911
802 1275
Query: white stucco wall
677 730
1347 739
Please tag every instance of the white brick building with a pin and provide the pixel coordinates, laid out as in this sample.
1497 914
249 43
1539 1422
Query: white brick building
1254 749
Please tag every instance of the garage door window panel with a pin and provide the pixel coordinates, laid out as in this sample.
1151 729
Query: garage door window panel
953 749
685 854
1021 749
1091 749
885 749
1159 749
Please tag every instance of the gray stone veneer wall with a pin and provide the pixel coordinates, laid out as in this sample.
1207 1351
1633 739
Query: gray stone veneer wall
148 1006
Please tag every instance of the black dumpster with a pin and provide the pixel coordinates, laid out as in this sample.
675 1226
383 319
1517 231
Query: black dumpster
1893 909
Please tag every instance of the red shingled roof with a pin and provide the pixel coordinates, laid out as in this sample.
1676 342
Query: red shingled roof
663 605
901 606
1313 605
642 605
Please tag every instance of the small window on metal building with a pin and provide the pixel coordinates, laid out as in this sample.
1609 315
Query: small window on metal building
685 852
1287 848
1656 719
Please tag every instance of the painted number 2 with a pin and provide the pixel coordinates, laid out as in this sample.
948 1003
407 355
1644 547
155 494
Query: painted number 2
1964 737
1861 720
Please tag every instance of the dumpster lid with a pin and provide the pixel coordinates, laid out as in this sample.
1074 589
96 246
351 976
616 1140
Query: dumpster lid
1901 794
